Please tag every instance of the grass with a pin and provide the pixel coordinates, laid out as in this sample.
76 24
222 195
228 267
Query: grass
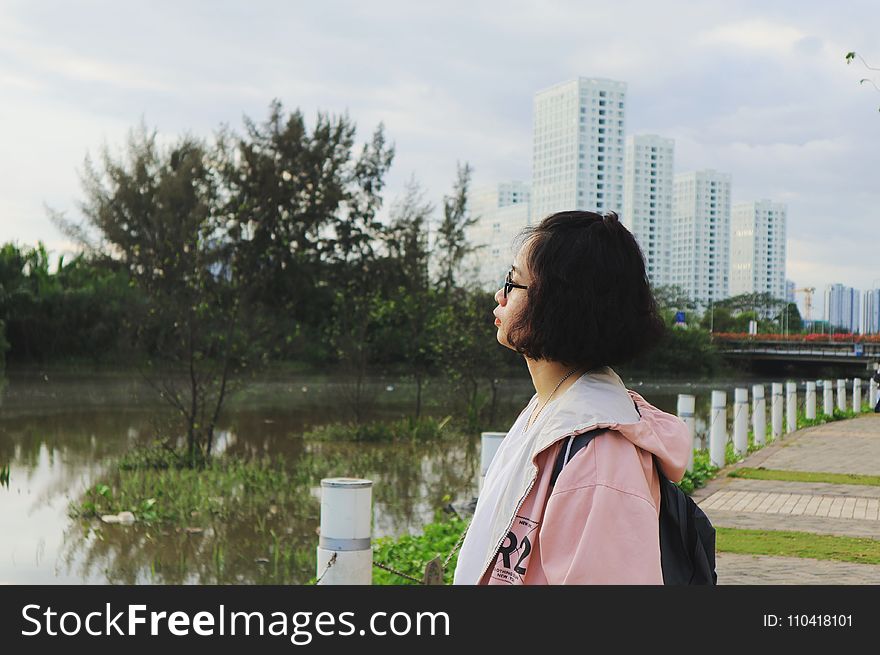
426 428
797 544
805 476
411 553
155 490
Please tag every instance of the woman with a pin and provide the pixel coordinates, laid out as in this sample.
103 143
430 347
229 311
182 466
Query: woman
575 302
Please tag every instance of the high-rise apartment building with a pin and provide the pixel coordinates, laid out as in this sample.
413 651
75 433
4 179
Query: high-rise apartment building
871 324
647 199
502 211
700 244
578 147
842 307
757 249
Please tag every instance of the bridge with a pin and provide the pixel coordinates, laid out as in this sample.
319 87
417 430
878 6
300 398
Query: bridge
854 352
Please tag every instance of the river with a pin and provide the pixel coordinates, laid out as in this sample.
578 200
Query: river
60 431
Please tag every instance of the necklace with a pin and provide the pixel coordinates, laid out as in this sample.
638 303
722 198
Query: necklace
535 417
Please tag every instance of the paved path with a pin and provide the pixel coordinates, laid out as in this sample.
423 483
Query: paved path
759 569
851 446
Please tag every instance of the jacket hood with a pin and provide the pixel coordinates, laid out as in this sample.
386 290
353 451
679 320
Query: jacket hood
599 399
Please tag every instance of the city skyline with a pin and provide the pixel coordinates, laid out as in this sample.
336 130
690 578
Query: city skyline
760 92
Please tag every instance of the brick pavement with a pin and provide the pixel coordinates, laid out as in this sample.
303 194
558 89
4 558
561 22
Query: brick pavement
735 569
851 446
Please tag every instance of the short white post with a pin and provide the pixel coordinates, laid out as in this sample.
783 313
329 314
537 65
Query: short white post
718 429
857 395
776 410
790 407
345 555
828 398
841 395
685 410
489 443
872 393
741 421
759 414
810 407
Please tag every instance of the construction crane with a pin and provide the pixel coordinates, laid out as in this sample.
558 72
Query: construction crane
808 301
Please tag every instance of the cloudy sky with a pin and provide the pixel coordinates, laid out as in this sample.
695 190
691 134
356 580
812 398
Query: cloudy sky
756 89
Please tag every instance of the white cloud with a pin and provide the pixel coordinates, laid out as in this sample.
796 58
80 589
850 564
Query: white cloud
758 91
754 34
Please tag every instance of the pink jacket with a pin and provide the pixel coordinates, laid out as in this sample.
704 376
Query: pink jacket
599 523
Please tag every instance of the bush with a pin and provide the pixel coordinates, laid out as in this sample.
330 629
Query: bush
411 553
426 428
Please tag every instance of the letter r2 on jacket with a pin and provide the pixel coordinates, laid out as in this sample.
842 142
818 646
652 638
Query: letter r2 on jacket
513 555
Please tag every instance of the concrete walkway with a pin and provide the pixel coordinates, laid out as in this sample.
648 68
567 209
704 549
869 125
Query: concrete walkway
851 446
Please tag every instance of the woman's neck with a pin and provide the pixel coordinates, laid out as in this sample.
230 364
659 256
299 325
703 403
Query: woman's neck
546 375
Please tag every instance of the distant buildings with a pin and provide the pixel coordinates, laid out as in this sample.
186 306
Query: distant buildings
647 200
871 324
757 249
842 308
502 211
578 147
690 233
700 244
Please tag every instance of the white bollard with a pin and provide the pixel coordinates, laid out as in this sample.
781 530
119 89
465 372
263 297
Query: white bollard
741 421
828 398
790 407
841 395
759 414
489 443
718 429
685 410
346 517
857 395
810 407
776 410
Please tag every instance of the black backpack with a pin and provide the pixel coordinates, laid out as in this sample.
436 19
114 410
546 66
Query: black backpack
687 538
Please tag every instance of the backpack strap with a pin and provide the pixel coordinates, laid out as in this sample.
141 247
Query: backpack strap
575 443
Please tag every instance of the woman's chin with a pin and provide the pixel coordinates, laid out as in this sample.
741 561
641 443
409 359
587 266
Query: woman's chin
502 339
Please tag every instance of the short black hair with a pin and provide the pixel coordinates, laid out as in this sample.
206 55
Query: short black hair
589 301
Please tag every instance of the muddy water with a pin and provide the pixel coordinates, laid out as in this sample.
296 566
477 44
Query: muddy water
59 433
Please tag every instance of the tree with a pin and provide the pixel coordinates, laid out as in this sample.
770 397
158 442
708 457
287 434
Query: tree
159 211
451 246
789 319
671 299
406 240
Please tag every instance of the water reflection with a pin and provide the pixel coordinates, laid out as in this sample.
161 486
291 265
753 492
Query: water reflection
59 435
277 545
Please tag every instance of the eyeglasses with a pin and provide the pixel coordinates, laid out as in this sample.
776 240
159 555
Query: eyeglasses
510 284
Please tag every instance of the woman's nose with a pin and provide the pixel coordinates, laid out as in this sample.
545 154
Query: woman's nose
499 297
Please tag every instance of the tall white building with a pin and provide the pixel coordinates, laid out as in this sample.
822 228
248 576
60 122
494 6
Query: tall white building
757 249
842 307
578 147
871 324
700 244
502 211
647 199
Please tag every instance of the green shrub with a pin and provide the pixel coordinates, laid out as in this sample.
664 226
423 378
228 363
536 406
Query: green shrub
703 471
426 428
411 553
